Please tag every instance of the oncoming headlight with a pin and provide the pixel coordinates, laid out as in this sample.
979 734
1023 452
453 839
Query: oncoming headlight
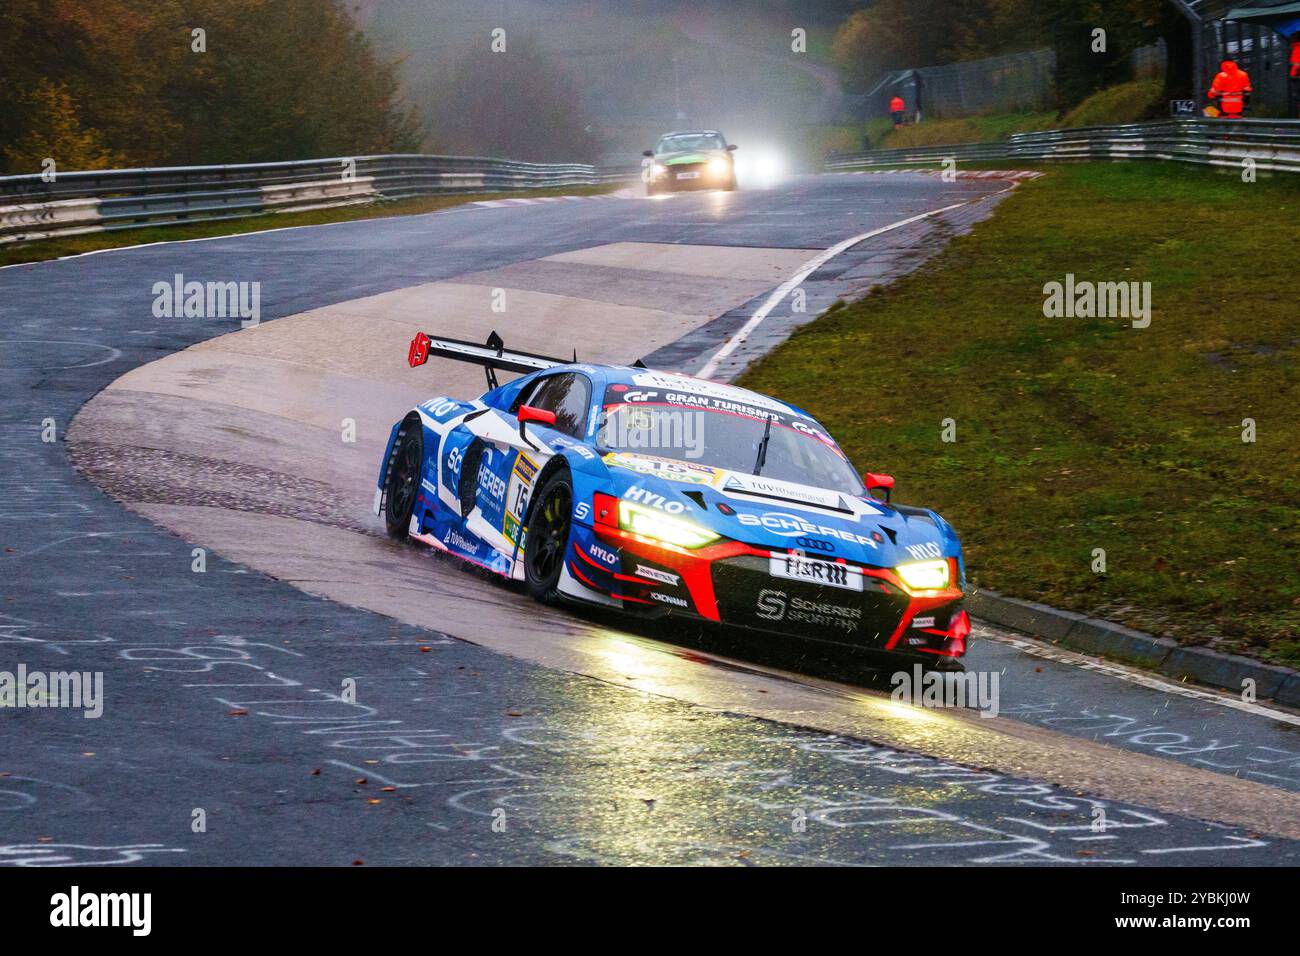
652 523
924 575
658 169
717 165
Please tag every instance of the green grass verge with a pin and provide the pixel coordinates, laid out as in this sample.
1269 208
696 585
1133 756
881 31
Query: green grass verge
1079 434
969 129
44 249
1123 103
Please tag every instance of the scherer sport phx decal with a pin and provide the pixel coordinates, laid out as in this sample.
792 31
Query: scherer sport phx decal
658 493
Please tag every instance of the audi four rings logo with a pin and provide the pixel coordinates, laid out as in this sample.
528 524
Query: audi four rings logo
814 544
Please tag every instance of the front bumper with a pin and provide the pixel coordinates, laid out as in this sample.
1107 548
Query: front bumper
730 583
691 176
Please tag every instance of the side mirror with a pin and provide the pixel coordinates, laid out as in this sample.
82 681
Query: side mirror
883 483
527 413
731 148
648 152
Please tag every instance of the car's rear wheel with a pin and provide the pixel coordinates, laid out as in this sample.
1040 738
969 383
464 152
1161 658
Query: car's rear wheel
402 484
547 544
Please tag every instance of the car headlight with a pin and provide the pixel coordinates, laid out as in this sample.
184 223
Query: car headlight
924 575
658 169
651 523
717 165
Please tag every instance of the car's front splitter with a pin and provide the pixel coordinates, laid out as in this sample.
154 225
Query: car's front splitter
730 583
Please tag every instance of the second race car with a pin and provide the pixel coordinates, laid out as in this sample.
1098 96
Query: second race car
699 159
658 493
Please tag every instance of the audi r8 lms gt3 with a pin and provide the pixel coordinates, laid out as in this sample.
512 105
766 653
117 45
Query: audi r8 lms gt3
690 160
657 493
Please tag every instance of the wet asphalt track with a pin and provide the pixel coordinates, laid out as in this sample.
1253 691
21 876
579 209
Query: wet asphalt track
222 688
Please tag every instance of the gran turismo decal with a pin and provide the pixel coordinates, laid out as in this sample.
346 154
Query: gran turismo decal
696 386
815 432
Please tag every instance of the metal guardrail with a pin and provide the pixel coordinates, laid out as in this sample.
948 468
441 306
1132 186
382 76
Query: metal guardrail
1271 144
81 202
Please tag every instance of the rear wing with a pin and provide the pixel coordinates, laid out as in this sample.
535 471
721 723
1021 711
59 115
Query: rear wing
492 355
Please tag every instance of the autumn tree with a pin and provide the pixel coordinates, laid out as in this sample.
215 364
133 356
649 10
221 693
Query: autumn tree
159 82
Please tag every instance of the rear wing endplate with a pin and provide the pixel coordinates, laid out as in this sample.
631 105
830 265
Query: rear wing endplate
492 355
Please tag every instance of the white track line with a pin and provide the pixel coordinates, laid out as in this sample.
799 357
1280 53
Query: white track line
807 269
1141 678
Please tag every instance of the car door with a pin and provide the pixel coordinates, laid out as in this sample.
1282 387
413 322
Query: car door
506 470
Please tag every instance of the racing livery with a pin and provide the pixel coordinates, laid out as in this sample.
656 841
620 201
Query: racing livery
657 493
699 159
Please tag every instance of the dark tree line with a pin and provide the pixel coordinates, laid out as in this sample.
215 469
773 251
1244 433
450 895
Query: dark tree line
129 82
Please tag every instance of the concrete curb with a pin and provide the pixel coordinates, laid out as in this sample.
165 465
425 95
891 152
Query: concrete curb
1082 633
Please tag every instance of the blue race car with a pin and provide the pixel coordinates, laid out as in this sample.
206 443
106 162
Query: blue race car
656 493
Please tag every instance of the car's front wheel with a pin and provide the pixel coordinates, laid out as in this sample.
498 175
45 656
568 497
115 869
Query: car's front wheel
547 541
402 484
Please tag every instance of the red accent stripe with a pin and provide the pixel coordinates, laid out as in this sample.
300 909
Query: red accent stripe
592 561
584 579
591 584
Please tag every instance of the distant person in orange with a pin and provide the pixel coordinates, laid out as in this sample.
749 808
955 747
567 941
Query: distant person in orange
897 106
1231 90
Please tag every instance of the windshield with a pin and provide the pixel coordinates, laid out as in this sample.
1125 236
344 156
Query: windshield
720 439
673 144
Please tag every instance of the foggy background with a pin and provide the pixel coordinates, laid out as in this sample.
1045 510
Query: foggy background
609 78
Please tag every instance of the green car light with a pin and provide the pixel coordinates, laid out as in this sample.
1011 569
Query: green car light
924 575
652 523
